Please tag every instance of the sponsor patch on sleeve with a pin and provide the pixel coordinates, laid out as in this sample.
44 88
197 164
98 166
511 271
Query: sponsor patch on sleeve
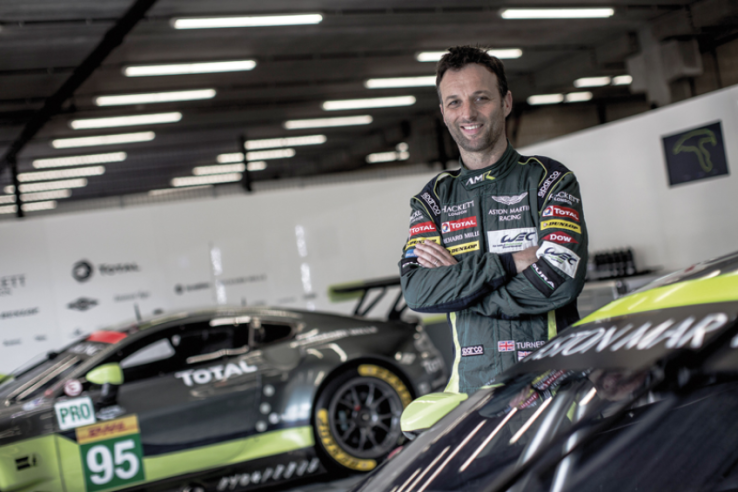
543 277
564 212
561 238
522 354
562 258
409 262
506 346
421 228
464 248
473 350
414 242
561 224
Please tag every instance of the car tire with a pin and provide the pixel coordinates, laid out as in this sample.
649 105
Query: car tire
357 417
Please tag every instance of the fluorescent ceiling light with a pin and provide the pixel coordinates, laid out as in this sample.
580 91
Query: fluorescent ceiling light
219 169
270 143
250 21
189 68
234 157
578 97
46 195
545 99
387 157
592 82
203 180
65 143
49 185
622 80
328 122
79 160
155 97
139 119
167 191
8 209
261 155
35 207
424 81
375 102
7 199
62 174
257 166
502 54
588 13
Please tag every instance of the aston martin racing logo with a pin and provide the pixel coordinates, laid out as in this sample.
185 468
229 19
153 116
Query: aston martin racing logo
82 304
509 200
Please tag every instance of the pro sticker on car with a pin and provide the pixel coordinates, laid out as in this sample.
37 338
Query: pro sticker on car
75 413
111 453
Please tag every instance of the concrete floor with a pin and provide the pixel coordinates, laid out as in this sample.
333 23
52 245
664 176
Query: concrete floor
324 484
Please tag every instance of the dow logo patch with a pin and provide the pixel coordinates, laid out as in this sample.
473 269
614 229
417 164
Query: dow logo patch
695 154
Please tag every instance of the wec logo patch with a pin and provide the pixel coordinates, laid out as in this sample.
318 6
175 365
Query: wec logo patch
562 258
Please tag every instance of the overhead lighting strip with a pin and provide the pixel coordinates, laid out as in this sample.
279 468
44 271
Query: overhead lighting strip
622 80
65 143
219 169
116 121
502 54
79 160
155 97
586 13
205 180
592 82
328 122
62 174
375 102
271 143
46 195
49 185
189 68
578 97
246 21
398 82
539 99
38 206
261 155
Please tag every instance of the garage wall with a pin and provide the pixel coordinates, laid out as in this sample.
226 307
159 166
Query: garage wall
286 247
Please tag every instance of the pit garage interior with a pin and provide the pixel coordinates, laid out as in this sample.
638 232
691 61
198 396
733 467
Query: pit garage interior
165 155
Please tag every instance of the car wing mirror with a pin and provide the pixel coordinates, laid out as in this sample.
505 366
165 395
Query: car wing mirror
425 411
110 377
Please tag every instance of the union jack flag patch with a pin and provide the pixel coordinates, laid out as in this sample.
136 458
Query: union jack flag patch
506 346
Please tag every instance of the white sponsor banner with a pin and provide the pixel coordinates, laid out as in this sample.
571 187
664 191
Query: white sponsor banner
559 256
512 240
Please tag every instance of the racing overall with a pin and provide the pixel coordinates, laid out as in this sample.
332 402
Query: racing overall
481 217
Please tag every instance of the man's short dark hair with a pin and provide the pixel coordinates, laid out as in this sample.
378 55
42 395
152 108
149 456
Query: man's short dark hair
460 56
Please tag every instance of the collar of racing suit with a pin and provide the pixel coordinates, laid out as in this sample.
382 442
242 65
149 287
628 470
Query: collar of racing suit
476 177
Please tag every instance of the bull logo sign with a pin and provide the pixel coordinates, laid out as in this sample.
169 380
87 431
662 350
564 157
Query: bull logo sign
695 154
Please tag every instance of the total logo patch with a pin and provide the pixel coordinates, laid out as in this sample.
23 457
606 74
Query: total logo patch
556 211
511 240
472 351
414 242
506 346
561 238
464 248
456 225
561 224
562 258
422 227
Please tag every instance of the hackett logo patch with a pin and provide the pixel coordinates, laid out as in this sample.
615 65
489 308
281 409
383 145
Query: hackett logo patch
473 350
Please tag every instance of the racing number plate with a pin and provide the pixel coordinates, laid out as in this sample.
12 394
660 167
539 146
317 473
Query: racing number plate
111 453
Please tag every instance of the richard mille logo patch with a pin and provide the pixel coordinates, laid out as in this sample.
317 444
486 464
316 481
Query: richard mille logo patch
473 350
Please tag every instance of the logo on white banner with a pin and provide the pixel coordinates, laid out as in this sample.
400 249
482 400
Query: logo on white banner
562 258
9 283
511 240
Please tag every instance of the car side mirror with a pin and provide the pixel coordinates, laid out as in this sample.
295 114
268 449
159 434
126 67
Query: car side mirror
109 376
425 411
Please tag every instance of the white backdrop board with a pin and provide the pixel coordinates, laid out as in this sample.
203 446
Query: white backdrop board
65 275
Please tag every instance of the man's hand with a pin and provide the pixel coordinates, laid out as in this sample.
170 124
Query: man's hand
432 255
524 259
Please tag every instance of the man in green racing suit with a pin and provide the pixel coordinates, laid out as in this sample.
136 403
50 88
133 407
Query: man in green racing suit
500 244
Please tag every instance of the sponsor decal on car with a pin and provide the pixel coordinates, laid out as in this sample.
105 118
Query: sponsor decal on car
511 240
464 248
561 238
562 258
561 224
106 336
74 413
510 200
506 346
414 241
472 351
422 227
565 212
456 225
218 373
547 184
270 474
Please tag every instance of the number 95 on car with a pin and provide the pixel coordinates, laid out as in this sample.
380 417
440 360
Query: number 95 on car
111 453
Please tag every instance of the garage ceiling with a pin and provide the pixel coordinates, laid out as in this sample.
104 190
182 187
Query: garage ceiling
297 69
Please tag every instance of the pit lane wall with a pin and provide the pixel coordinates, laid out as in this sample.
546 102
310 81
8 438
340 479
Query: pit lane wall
65 275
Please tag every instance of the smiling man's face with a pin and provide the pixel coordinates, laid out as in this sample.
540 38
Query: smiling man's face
473 109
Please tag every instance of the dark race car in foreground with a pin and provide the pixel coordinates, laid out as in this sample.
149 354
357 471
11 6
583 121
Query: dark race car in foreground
220 399
642 395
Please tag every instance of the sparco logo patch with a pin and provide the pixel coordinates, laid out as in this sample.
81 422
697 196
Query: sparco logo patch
421 228
506 346
547 184
562 258
566 212
561 238
464 248
510 200
431 203
561 224
456 225
471 351
511 240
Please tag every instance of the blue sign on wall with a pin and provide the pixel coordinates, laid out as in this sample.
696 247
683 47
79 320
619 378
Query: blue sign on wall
695 154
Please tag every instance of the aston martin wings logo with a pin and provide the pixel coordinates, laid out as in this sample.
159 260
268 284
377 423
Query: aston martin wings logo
510 200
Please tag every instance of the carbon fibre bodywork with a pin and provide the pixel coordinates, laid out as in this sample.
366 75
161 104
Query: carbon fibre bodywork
223 398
